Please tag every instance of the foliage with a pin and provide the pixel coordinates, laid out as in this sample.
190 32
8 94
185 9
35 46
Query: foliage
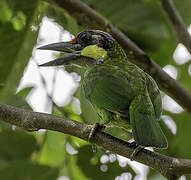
49 155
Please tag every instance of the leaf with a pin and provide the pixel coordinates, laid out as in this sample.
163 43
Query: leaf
54 149
16 44
88 113
18 21
20 170
183 8
24 92
19 99
67 111
5 11
90 165
16 145
153 175
179 145
183 76
74 171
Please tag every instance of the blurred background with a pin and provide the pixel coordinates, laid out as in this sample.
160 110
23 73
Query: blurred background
48 155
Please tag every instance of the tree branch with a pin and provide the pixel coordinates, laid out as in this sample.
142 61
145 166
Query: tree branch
170 167
177 23
88 17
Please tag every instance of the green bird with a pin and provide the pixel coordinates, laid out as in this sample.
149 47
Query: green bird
121 93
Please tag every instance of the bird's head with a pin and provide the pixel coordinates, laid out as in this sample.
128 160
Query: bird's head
85 49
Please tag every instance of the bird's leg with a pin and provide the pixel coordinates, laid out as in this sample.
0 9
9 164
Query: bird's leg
137 149
96 128
133 144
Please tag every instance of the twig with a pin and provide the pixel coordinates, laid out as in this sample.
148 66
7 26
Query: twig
88 17
170 167
177 23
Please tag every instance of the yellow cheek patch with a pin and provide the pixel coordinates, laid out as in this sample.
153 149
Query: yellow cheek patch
95 52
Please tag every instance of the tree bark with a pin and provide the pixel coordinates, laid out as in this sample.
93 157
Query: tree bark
170 167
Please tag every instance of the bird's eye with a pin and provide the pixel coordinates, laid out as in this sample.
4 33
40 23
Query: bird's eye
85 38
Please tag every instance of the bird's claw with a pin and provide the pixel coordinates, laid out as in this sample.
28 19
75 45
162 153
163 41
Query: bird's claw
133 144
96 127
98 62
136 151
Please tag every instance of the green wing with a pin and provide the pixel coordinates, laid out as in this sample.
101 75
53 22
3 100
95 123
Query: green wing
145 127
155 96
107 87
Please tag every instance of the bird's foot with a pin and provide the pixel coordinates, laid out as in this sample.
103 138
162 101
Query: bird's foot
136 151
98 62
96 128
133 144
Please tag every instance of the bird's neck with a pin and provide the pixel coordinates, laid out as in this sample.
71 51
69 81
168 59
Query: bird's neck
117 55
116 51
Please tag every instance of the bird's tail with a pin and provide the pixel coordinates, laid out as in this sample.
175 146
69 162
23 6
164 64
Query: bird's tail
145 127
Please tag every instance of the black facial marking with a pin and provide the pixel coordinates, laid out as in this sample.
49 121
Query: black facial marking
95 37
107 39
84 38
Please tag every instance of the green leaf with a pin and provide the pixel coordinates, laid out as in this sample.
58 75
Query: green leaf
20 170
18 21
17 42
90 165
183 8
5 11
25 92
16 145
183 76
67 111
74 170
153 175
54 149
179 146
19 99
88 113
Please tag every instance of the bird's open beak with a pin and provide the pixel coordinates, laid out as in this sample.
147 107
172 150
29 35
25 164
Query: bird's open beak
63 60
72 48
62 47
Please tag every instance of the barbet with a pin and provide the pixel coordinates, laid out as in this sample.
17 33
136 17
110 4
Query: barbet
120 92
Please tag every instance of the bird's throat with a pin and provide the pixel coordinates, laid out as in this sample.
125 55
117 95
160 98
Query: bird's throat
95 52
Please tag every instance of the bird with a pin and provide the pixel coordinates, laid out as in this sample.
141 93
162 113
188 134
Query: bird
121 93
